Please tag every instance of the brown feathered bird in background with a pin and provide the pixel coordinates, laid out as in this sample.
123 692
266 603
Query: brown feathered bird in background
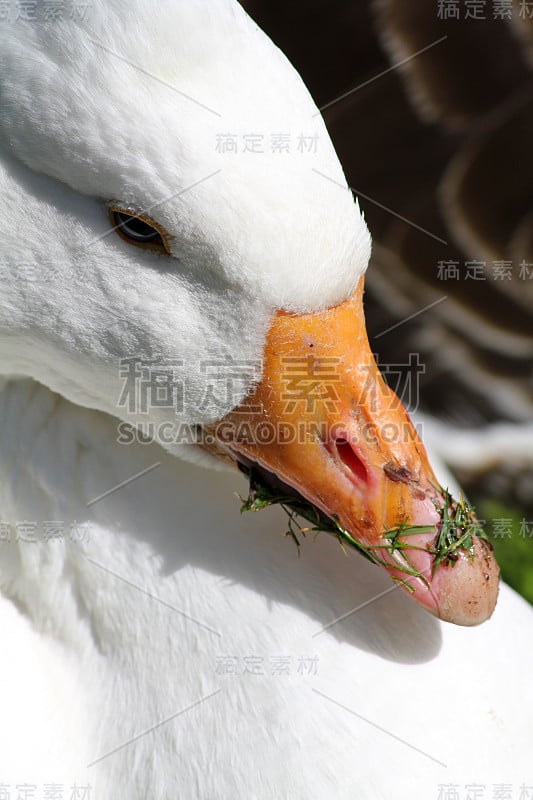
430 107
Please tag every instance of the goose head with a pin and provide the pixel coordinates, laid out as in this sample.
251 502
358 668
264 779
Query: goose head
171 201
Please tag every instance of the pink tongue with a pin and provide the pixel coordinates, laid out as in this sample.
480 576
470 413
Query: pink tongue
464 591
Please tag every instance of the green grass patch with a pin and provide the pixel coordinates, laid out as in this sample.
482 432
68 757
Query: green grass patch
455 533
508 530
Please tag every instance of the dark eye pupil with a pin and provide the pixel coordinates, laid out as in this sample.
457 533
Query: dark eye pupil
135 228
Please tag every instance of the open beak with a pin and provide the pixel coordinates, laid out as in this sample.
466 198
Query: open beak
324 423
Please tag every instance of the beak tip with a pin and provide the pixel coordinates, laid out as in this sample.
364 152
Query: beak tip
466 591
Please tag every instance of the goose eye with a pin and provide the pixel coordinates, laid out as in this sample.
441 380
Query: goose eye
135 228
139 230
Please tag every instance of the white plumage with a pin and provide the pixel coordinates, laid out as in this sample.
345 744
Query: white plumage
179 650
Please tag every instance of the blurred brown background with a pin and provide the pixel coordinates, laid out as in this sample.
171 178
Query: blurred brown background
430 107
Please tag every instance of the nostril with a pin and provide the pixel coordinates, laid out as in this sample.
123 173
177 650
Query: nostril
350 458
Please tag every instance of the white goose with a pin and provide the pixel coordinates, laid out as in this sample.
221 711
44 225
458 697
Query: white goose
159 644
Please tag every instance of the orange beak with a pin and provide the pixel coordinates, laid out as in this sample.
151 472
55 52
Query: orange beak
325 424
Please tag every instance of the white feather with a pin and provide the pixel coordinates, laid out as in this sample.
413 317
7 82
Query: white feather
114 645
